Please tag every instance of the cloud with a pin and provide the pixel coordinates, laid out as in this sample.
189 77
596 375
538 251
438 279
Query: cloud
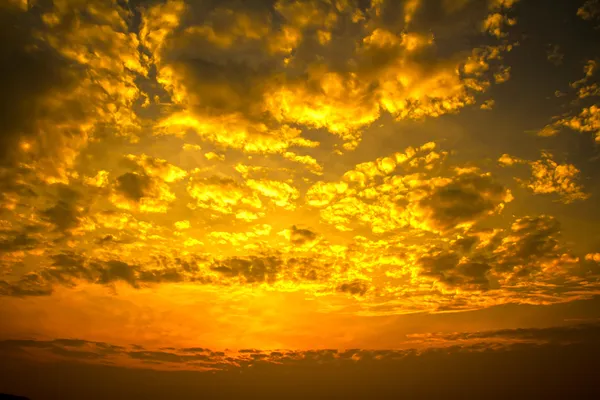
146 188
583 112
446 268
558 335
28 285
494 24
17 241
432 347
133 186
32 77
253 269
549 371
356 287
588 120
550 177
247 62
589 10
300 236
460 201
104 183
488 105
399 191
58 92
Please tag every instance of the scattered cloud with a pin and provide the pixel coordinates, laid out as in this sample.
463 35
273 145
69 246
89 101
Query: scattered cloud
550 177
319 152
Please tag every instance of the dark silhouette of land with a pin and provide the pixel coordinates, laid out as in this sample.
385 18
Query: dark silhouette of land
4 396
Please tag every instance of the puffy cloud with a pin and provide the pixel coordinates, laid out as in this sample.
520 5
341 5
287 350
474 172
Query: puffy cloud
494 24
580 118
280 193
157 167
247 75
549 177
310 162
252 269
299 236
146 188
589 10
28 285
488 105
137 191
459 202
448 268
391 193
507 159
81 88
38 84
355 287
225 196
588 120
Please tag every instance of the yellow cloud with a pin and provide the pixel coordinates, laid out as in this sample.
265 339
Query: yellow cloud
550 177
585 119
181 225
495 23
280 193
488 105
589 10
135 191
160 168
221 194
224 108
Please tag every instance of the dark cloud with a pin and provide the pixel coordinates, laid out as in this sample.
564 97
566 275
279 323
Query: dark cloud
532 239
76 349
167 357
67 266
161 275
252 269
115 270
33 74
65 214
134 185
28 285
300 236
521 252
465 244
19 241
466 198
356 287
568 334
554 362
451 270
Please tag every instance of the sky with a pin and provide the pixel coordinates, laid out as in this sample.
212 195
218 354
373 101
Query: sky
199 194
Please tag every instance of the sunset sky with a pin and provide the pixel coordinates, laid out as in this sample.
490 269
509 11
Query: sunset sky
218 187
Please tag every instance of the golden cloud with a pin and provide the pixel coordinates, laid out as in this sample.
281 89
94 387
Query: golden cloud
548 177
251 108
